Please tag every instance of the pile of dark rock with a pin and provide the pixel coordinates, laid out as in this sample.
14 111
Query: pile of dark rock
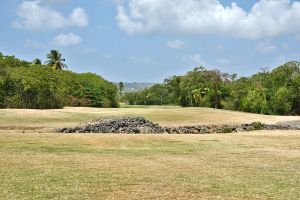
131 125
136 125
205 129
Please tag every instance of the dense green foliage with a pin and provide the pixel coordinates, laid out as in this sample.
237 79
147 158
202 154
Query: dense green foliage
274 92
33 85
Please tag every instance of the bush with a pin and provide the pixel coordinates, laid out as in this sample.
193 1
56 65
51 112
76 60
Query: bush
258 125
227 130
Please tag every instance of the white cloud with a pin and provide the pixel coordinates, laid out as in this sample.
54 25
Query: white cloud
67 39
33 15
79 17
33 44
267 18
265 47
194 59
175 44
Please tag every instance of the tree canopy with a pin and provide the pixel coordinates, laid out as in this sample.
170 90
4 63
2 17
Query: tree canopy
266 92
55 60
33 85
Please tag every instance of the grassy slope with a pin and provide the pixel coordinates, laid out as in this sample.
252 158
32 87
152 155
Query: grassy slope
257 165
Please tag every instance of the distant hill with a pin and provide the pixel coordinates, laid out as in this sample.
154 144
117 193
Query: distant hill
135 86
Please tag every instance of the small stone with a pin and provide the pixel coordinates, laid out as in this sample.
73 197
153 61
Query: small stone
239 129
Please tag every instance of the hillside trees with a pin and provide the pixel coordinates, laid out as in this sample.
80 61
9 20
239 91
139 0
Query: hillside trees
27 85
266 92
173 86
156 95
97 91
255 101
282 101
35 87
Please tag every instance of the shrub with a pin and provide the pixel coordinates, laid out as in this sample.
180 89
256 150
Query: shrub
227 130
258 125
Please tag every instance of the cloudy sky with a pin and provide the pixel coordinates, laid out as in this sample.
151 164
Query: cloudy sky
149 40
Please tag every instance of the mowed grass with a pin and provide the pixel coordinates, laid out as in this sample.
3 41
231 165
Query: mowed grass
47 165
260 165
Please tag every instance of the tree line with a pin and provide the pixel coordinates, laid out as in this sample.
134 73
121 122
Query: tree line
266 92
35 85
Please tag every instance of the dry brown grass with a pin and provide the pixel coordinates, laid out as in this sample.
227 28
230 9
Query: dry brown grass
258 165
254 165
165 115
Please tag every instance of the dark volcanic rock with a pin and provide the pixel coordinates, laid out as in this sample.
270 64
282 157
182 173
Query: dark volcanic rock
132 125
137 125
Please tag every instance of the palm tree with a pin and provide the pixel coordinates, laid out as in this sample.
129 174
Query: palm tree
37 61
55 60
121 87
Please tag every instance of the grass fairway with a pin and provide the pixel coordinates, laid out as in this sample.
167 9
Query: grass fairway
19 119
254 165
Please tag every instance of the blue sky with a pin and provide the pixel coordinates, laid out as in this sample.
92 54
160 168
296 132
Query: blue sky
149 40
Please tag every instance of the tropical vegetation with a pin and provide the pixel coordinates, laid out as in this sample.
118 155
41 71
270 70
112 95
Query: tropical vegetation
266 92
31 85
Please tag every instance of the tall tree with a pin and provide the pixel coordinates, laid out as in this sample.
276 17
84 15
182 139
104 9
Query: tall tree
121 87
55 60
37 61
